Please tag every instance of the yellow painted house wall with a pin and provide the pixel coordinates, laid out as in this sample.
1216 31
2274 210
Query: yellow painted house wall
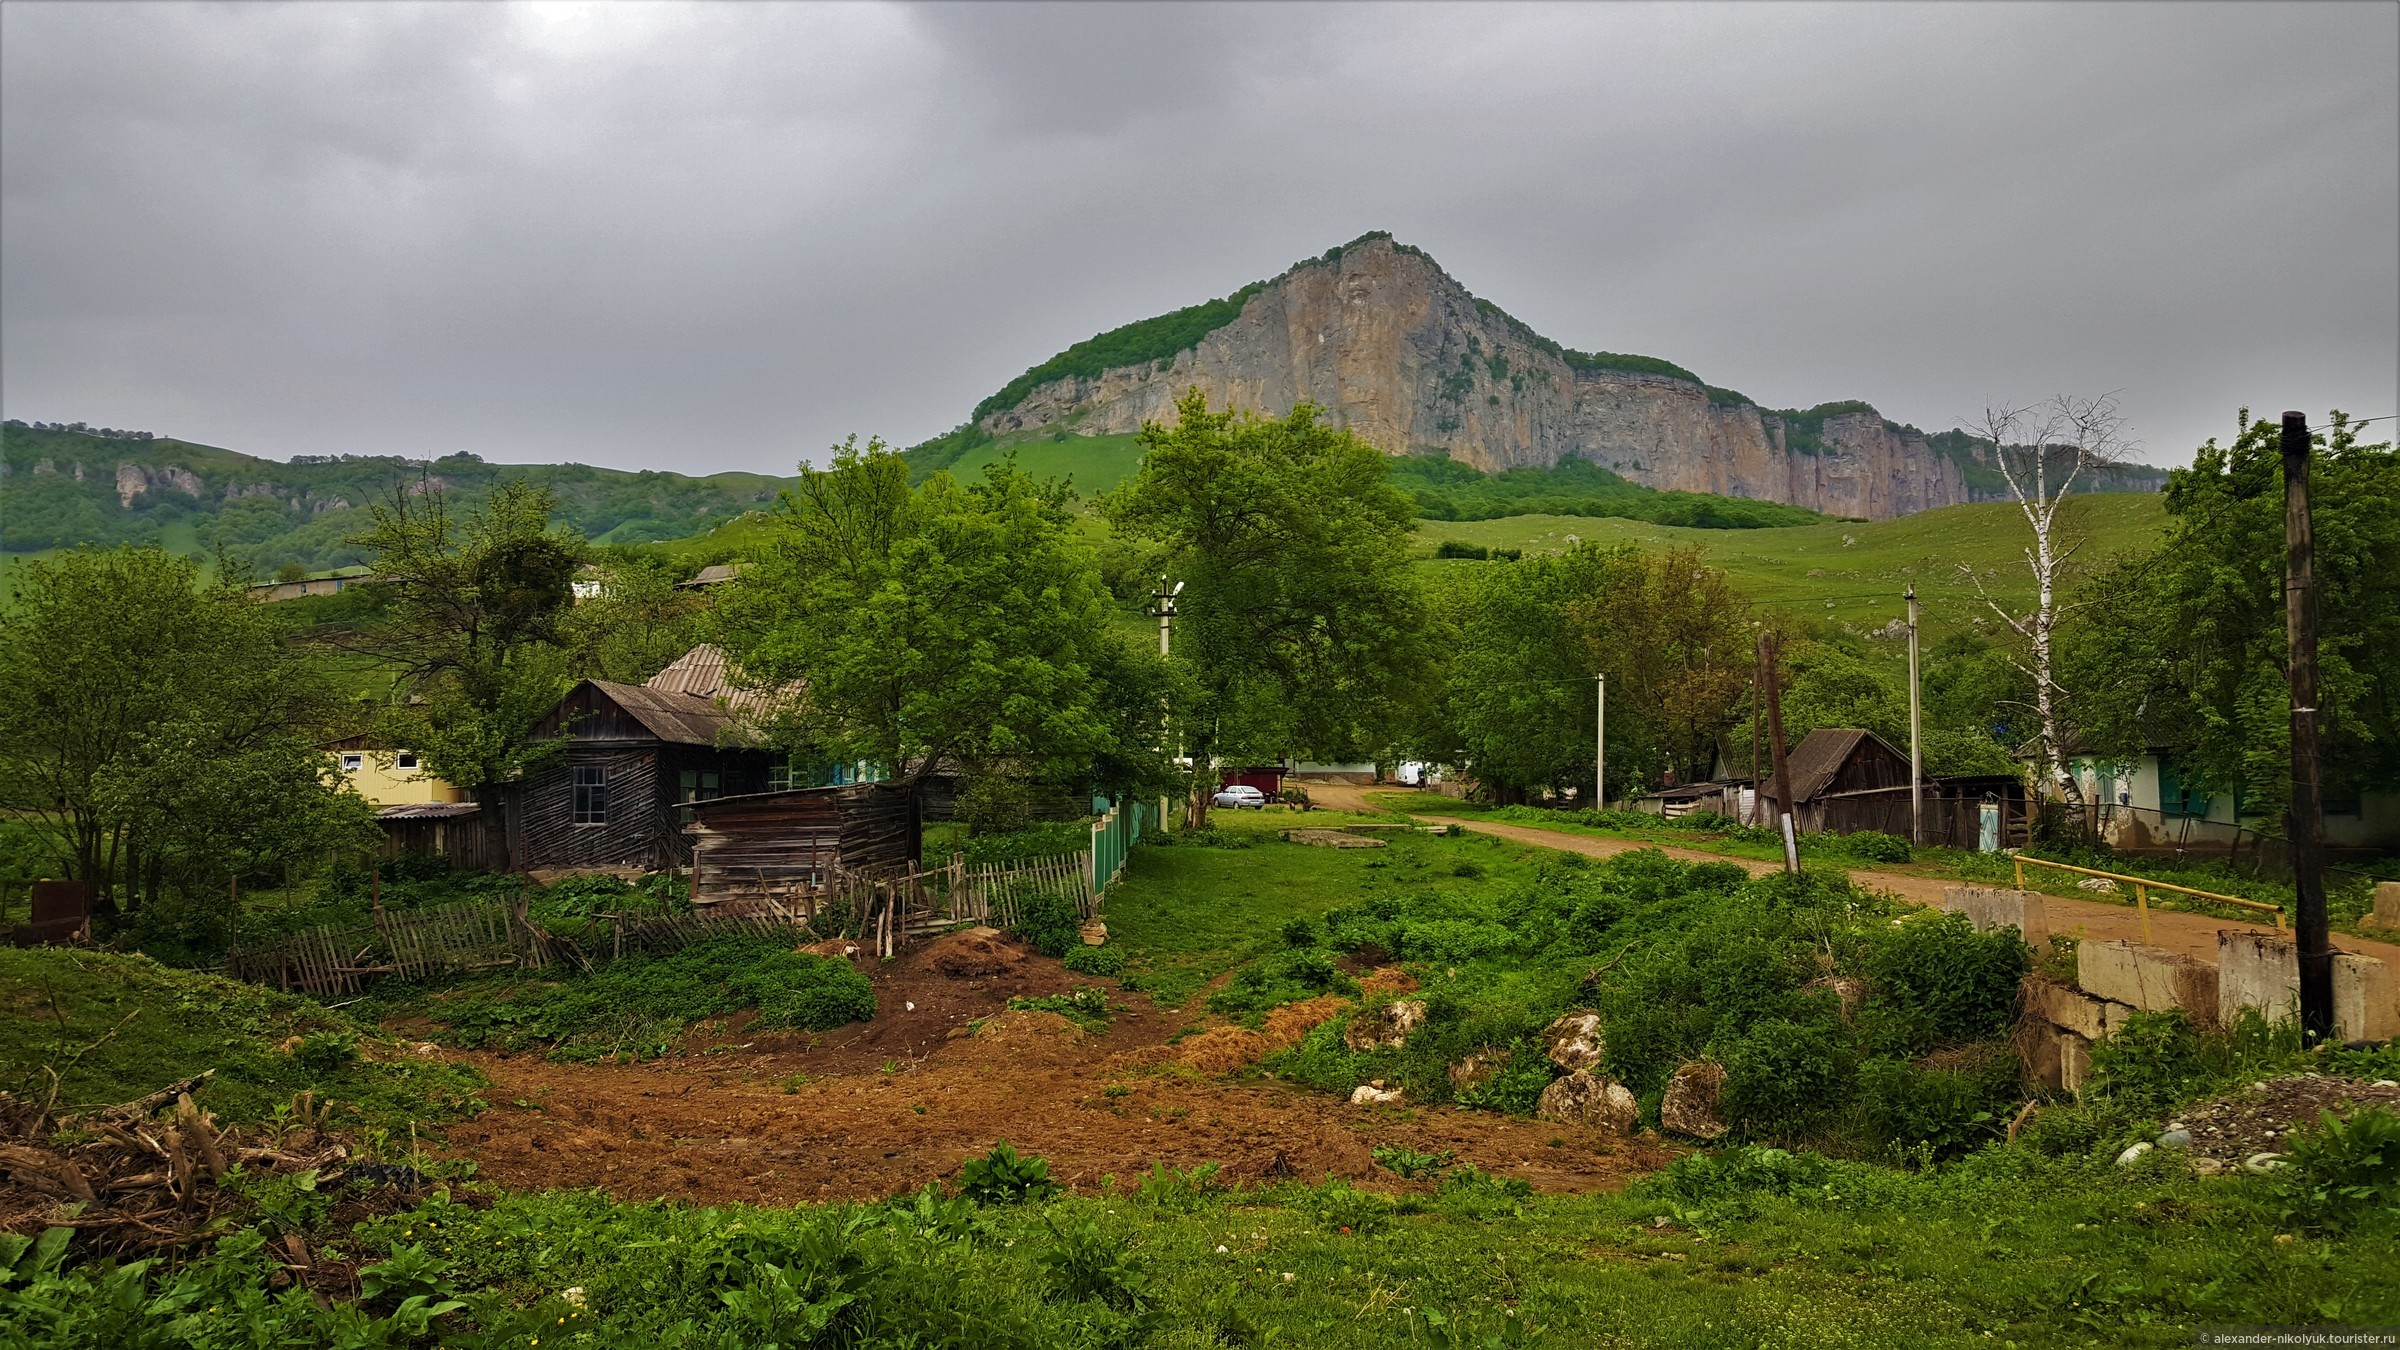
378 779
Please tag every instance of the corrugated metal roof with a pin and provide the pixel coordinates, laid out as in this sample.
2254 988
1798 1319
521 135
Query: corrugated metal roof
714 573
706 672
428 810
699 671
679 719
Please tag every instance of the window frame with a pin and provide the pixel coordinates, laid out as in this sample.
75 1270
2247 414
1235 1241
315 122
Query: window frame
587 803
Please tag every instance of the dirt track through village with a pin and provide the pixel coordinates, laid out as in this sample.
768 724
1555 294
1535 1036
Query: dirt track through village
2189 934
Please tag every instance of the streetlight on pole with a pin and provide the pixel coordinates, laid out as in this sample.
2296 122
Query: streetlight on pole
1916 732
1166 622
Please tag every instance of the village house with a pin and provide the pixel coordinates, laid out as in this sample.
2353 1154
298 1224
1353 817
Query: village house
2149 801
388 777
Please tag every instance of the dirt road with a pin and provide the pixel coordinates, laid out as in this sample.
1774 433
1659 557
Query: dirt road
2190 934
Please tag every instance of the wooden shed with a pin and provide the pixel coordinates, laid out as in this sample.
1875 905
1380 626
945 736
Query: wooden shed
1833 761
791 842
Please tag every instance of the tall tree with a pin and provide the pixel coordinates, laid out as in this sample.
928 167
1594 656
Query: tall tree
1674 637
634 622
158 730
1296 629
938 627
470 627
2041 452
2189 649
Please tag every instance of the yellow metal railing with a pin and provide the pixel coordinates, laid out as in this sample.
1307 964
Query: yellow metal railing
2142 886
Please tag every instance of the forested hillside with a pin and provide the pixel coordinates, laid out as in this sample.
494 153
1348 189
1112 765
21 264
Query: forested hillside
65 487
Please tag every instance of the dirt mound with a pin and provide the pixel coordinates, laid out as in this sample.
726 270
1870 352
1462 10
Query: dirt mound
974 954
1387 980
2261 1118
1222 1050
1026 1027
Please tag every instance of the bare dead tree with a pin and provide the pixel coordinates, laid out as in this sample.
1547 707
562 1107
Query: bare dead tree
2041 451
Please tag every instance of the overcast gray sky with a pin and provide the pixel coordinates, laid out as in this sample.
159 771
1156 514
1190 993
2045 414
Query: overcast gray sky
700 237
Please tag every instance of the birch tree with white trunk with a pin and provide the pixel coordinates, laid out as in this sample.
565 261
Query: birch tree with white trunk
2041 451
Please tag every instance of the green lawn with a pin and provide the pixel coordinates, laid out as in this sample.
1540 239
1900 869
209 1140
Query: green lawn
1852 572
1092 464
1187 914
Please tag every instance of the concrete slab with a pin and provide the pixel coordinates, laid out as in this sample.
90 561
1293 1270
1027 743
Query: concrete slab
2094 1019
2262 971
1988 907
2387 904
2150 979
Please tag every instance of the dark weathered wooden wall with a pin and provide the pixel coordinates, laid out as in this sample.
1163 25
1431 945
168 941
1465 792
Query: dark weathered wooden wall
782 842
548 835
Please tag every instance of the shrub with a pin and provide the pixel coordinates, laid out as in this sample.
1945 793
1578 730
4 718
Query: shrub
1298 931
1087 1007
2342 1170
1102 961
1046 839
1784 1077
2153 1062
1343 1208
1085 1263
1409 1163
1937 1112
1287 976
1050 924
1936 981
1747 1170
806 993
1004 1177
1516 1086
1179 1191
1870 846
325 1053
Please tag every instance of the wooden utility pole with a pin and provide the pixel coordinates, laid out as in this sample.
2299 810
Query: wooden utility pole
1916 731
1772 656
2305 828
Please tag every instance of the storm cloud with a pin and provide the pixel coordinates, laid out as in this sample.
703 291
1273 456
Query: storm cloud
699 237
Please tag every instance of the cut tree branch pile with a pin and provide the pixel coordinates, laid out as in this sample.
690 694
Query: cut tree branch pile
143 1174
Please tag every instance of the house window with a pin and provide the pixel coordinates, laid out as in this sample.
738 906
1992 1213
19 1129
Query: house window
406 759
700 785
591 794
2178 796
353 763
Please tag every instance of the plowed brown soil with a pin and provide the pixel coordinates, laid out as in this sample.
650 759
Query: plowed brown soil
888 1105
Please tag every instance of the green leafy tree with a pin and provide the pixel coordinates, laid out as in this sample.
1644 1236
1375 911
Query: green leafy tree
159 732
1525 641
1298 625
944 626
471 628
2186 648
635 622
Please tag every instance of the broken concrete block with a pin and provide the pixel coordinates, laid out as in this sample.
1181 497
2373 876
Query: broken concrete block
2147 978
2387 904
2363 998
1988 908
1376 1094
2088 1016
2262 971
2257 970
2059 1058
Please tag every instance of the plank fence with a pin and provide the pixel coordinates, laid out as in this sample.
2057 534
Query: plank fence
878 910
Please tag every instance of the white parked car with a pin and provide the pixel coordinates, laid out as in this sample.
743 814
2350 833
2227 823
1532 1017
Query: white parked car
1241 797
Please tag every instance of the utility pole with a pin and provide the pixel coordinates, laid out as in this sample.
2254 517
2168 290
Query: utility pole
1758 712
1772 656
1166 716
1600 748
2305 827
1916 731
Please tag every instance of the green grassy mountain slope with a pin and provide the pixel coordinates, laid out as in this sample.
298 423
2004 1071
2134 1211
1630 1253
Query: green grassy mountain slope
64 487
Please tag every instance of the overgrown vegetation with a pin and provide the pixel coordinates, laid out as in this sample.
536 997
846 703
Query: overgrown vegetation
640 1006
113 1027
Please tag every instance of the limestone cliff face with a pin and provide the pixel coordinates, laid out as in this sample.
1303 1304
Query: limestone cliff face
1396 350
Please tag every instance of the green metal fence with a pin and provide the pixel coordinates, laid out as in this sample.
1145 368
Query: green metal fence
1119 828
